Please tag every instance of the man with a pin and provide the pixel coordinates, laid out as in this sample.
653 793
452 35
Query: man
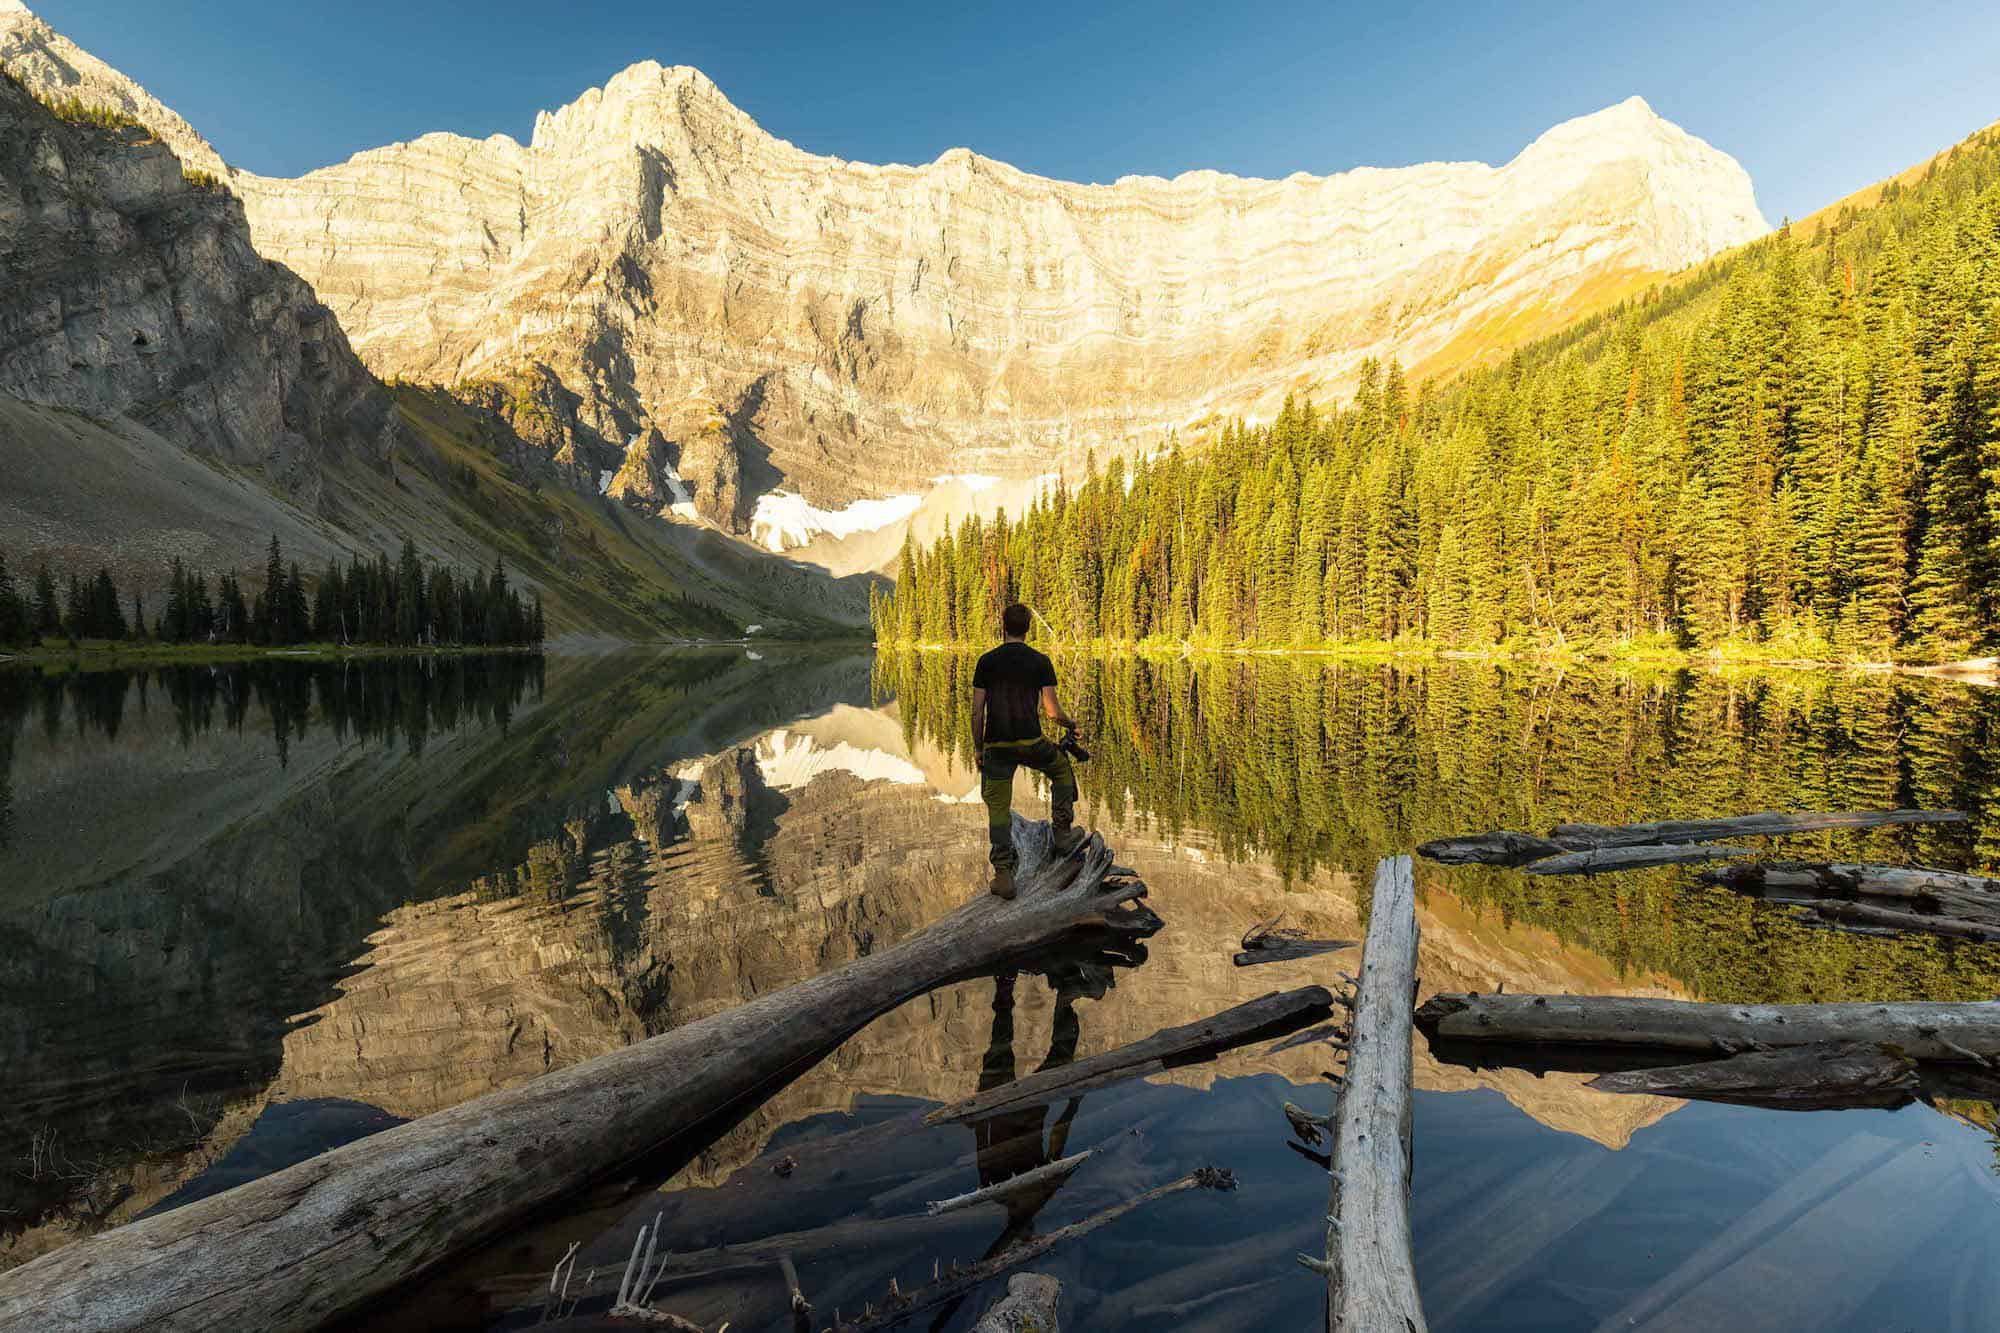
1011 687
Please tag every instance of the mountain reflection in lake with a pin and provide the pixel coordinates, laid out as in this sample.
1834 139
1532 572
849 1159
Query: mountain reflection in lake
252 912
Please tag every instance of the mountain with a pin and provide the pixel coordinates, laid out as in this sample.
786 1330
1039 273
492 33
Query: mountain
166 391
1788 453
815 351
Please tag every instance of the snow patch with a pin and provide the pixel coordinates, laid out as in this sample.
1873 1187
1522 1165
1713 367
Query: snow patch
753 656
789 761
604 482
783 520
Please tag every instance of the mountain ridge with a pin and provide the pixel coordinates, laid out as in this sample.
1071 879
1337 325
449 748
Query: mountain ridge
749 325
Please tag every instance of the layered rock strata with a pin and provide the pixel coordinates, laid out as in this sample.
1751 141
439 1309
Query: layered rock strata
767 325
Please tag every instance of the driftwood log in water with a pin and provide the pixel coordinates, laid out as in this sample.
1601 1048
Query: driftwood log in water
1503 847
1898 898
1267 942
1769 824
1821 1077
1507 848
1286 951
1371 1279
1874 919
1273 1015
1030 1306
955 1282
1922 1030
1603 860
299 1248
1932 890
1002 1189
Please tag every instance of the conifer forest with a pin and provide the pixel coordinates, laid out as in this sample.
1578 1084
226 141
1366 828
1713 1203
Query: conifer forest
1794 451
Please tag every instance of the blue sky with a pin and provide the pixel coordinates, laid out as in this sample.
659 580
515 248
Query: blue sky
1816 99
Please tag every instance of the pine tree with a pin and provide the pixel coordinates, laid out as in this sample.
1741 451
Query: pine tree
47 611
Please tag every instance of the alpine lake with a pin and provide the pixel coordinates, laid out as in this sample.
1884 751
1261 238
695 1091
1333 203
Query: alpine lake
251 912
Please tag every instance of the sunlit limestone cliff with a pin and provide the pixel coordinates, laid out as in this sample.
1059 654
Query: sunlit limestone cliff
750 331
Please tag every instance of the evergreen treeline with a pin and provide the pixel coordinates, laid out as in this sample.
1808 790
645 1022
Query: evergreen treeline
1798 447
1328 767
367 602
382 700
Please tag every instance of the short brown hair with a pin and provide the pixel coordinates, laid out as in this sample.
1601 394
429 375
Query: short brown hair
1014 620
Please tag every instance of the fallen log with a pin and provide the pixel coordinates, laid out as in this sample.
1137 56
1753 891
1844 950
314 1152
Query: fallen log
1286 951
1371 1280
1500 848
1846 911
1821 1077
1603 860
301 1247
1273 1015
1268 942
1028 1307
1908 898
1923 1030
1920 884
1768 824
956 1281
1505 847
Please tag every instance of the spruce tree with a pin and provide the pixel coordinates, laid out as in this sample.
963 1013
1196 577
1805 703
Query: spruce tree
47 610
14 615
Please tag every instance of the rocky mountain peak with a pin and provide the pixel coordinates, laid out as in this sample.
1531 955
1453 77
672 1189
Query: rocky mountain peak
858 334
50 65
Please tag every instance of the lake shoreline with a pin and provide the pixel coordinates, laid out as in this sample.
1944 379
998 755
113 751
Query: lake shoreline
1973 671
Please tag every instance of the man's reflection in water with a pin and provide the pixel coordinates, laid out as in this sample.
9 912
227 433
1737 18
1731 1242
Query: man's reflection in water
1011 1142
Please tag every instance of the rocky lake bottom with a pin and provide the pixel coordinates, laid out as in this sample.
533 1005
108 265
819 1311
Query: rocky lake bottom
253 912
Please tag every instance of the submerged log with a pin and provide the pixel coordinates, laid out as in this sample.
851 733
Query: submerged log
301 1247
1273 1015
1768 824
1500 848
1923 1030
1028 1307
956 1281
1603 860
1371 1280
1058 1170
1821 1077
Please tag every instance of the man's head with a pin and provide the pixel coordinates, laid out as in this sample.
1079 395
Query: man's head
1014 621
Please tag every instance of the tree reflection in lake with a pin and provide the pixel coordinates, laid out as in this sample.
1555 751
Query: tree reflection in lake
441 895
1313 765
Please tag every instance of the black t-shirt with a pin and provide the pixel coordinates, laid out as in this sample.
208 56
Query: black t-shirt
1013 676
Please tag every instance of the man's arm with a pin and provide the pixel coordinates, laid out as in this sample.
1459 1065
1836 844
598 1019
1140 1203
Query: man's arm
1053 707
978 720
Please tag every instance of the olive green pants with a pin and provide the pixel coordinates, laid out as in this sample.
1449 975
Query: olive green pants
996 788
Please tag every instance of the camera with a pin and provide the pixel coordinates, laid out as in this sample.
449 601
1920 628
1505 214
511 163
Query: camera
1070 747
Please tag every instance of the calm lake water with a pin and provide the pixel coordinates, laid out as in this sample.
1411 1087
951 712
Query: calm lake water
254 912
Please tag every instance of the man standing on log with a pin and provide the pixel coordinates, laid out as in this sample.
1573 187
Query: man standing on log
1011 687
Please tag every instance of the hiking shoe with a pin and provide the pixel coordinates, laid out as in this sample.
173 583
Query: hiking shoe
1002 885
1065 842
